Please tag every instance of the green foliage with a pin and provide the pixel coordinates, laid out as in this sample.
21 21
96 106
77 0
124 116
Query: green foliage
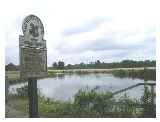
11 67
145 74
23 91
55 65
127 107
149 109
58 65
90 99
102 65
51 74
12 77
92 103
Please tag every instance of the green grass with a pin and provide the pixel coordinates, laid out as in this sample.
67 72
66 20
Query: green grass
87 103
18 103
12 77
145 74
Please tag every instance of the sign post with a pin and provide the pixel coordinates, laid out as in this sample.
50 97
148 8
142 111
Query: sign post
33 58
33 97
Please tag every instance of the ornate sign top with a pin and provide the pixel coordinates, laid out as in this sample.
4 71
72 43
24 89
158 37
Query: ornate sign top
32 25
33 31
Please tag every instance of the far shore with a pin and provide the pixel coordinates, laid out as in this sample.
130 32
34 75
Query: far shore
16 74
111 69
63 70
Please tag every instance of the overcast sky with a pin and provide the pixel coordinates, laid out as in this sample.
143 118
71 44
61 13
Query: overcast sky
84 31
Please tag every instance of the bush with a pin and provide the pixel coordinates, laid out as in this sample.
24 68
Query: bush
145 74
92 103
23 91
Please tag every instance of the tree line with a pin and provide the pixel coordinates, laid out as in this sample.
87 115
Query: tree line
93 65
102 65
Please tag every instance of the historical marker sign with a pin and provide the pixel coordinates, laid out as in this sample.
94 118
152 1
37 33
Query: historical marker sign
33 52
33 58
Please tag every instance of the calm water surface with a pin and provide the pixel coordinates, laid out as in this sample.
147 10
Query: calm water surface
63 87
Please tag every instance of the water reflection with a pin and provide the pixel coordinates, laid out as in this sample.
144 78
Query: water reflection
61 76
63 87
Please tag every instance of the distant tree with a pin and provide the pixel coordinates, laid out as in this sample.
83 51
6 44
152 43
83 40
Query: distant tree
61 65
98 64
102 65
55 65
69 66
81 65
11 67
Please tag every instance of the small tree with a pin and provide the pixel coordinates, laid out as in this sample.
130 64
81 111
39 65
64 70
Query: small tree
97 64
61 65
55 65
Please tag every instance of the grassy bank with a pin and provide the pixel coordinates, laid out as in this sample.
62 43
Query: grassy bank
87 103
12 77
148 73
96 70
145 74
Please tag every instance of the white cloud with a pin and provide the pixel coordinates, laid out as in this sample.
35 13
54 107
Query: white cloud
78 30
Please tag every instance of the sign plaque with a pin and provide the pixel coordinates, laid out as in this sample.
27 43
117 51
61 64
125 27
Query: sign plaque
33 52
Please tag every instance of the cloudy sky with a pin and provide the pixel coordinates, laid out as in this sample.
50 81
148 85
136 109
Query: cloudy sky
84 31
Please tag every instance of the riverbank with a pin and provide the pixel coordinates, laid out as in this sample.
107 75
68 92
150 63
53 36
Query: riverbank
145 74
87 103
13 77
98 70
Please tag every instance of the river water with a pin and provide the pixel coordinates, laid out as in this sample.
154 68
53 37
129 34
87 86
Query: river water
64 86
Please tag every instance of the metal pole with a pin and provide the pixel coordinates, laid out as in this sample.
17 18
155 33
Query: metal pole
6 97
152 92
33 97
6 89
